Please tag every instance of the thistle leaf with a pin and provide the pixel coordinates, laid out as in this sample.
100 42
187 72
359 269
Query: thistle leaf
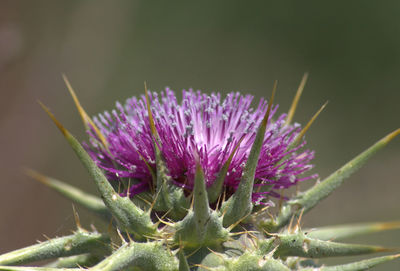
308 125
307 200
78 243
357 266
90 202
345 231
130 217
302 246
240 204
142 256
151 119
296 99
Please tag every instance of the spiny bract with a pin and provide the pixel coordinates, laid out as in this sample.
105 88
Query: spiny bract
188 186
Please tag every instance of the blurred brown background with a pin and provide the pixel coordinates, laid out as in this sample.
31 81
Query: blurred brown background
109 48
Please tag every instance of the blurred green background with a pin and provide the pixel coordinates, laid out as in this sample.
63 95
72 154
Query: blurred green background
109 48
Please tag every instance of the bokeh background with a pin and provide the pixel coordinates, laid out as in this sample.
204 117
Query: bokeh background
109 48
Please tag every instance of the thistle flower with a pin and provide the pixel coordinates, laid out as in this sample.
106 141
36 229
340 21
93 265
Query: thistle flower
203 127
199 147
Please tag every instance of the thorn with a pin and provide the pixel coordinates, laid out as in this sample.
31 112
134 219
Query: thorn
166 213
229 161
296 99
223 196
165 239
180 243
243 232
392 135
153 238
222 201
308 125
244 246
259 187
93 228
154 201
216 253
253 239
77 220
128 191
231 227
85 118
259 212
270 102
110 226
56 122
224 212
252 235
163 221
187 209
218 202
290 224
143 199
115 246
192 203
36 176
151 119
81 111
129 236
297 227
388 225
121 237
119 188
270 234
385 249
254 243
193 252
280 202
168 248
270 216
272 252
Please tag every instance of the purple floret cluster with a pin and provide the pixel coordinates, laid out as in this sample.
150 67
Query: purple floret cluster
204 128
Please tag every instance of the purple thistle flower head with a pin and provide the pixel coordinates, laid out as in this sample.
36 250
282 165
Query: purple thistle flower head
204 128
